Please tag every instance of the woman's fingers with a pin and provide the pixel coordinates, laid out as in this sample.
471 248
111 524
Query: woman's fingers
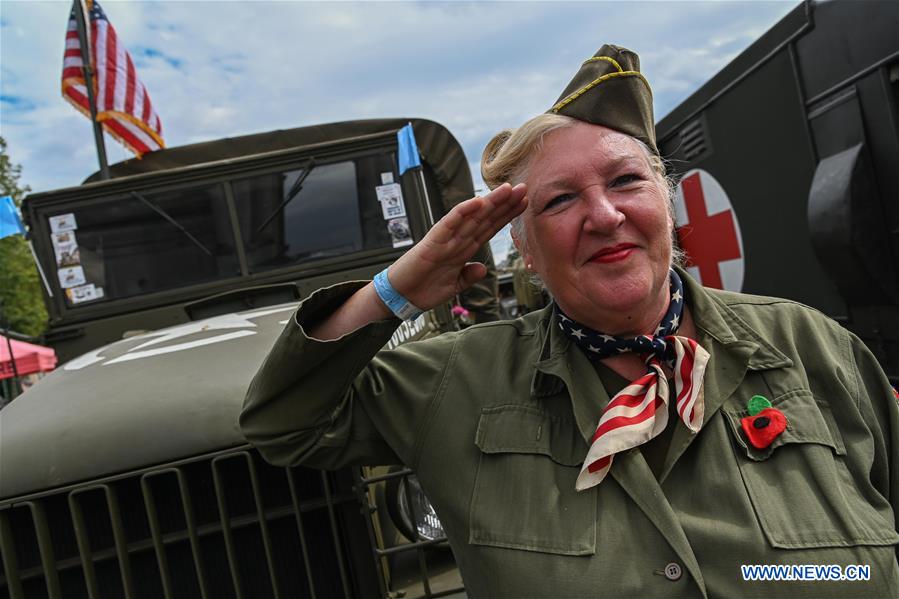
498 207
470 219
481 225
437 267
481 228
478 209
470 274
501 218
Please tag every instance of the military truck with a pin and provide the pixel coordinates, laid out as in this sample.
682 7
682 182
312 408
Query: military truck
788 159
123 473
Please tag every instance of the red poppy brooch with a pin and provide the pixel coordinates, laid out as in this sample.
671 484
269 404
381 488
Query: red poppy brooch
764 423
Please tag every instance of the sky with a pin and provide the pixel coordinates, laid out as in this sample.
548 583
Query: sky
224 68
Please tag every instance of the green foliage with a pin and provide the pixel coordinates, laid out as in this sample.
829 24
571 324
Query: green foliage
20 287
9 176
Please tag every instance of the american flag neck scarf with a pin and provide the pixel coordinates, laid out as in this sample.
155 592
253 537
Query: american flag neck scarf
639 412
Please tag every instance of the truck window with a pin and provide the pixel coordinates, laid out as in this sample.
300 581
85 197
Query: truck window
144 242
336 212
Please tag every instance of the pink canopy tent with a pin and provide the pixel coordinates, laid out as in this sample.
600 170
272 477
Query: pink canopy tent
30 358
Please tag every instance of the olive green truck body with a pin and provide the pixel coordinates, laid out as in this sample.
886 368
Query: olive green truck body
123 473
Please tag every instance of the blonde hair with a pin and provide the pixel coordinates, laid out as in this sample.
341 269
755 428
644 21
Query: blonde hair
507 156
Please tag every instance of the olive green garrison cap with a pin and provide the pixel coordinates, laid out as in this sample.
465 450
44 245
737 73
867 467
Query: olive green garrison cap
609 90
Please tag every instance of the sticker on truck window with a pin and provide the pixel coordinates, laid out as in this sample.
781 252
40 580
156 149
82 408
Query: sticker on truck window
400 234
708 232
65 246
71 277
84 293
391 198
63 222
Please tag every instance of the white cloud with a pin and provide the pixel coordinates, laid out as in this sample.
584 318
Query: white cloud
217 69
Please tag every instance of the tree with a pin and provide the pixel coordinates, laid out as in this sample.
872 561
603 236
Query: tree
20 287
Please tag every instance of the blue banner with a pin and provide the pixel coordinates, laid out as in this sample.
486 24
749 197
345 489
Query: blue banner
408 151
10 223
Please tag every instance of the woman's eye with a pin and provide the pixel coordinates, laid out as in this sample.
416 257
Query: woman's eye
625 179
559 199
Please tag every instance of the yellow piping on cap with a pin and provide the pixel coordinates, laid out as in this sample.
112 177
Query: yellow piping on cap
575 95
607 59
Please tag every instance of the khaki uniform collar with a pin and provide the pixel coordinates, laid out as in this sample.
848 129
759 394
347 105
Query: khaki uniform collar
713 317
554 346
558 366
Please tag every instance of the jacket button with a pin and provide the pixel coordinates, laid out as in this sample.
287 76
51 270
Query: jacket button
673 571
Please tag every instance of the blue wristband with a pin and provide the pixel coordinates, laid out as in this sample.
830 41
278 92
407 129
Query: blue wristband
399 305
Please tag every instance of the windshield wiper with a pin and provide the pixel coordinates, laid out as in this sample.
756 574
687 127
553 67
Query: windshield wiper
291 194
167 217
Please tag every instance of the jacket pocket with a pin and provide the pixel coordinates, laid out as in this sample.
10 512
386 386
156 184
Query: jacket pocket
524 496
800 487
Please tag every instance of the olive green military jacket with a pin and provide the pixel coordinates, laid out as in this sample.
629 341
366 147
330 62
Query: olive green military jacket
496 421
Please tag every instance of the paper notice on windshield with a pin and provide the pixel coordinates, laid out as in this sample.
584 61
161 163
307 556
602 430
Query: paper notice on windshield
65 246
63 222
64 238
84 293
71 277
391 198
400 234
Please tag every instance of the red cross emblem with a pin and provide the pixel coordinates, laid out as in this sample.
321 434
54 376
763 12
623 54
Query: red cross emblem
710 235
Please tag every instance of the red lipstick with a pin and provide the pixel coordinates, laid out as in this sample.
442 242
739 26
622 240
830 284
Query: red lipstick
613 253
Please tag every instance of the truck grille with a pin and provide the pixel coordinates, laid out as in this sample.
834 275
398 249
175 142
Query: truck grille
228 526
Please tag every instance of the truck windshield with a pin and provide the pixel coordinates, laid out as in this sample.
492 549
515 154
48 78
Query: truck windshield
146 241
337 211
142 243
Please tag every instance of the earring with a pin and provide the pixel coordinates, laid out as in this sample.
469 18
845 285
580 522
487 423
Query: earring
529 266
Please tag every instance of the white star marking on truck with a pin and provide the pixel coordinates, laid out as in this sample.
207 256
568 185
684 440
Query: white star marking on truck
224 322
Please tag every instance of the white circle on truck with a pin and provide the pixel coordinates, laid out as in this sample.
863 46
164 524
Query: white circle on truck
708 231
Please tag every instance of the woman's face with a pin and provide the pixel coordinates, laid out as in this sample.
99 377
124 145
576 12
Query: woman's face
598 230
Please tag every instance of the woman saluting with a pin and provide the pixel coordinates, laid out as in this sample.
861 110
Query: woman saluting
642 435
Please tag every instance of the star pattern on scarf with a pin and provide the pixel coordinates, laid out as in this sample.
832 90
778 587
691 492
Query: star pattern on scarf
601 345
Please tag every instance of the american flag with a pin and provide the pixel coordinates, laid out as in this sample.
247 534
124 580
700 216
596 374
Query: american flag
123 104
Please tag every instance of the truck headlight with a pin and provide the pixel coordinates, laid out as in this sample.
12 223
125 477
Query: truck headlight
407 504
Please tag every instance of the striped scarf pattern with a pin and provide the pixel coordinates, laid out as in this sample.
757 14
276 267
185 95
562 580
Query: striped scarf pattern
639 412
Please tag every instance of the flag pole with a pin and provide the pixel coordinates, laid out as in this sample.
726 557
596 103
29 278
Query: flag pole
40 269
89 84
424 190
410 158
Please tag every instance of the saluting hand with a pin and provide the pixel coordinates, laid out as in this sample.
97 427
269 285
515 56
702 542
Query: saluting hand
438 267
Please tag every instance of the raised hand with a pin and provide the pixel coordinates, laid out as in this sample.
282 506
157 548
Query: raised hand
438 267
